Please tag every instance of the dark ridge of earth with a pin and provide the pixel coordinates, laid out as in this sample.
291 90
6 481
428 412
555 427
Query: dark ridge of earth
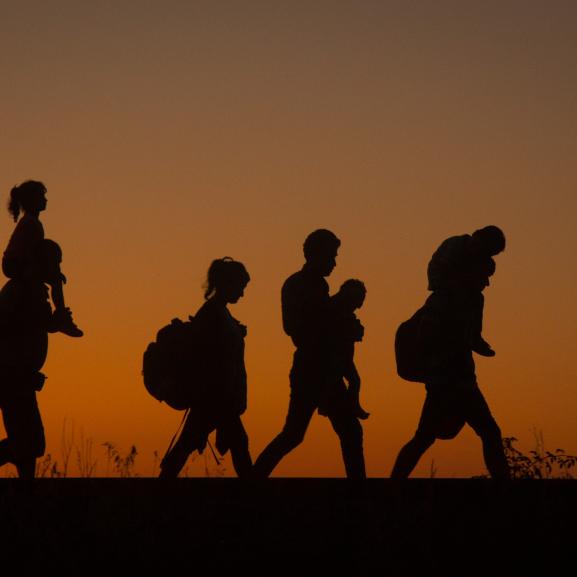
280 526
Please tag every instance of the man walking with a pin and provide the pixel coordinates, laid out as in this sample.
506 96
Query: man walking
306 319
450 331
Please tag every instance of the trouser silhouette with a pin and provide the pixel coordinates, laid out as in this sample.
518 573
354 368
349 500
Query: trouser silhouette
198 426
446 410
302 406
25 433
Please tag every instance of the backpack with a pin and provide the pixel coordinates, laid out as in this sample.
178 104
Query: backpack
170 365
411 351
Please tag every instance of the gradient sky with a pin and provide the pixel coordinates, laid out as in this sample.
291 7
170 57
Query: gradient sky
171 133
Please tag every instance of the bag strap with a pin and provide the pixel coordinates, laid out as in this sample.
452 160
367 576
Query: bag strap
213 452
218 461
177 432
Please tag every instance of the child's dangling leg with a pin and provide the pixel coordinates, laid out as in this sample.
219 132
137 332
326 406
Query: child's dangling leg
358 411
62 314
480 345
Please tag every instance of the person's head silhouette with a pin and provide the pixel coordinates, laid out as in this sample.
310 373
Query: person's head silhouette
490 240
226 280
29 197
320 249
352 294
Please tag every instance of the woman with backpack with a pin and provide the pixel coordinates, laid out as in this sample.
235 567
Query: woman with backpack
220 374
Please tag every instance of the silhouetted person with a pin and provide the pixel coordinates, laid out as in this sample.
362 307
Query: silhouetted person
450 329
346 330
223 372
458 254
306 313
26 318
20 257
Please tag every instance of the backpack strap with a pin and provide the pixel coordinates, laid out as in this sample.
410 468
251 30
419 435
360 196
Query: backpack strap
213 452
177 431
218 461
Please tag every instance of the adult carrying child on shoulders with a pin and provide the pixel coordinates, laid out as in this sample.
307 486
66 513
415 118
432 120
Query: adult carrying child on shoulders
26 318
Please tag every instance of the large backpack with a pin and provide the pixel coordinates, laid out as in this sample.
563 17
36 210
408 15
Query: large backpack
411 350
171 365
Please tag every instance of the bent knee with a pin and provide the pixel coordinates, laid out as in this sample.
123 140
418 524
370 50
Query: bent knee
489 432
291 438
422 440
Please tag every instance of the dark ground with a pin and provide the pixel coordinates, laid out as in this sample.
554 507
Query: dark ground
280 526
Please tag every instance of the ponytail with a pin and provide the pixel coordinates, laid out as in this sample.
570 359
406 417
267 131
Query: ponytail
223 271
14 203
21 195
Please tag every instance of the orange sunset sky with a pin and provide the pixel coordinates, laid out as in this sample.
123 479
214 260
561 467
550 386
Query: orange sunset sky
173 132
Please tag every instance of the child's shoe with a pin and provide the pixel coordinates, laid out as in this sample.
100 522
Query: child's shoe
483 348
360 413
65 324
